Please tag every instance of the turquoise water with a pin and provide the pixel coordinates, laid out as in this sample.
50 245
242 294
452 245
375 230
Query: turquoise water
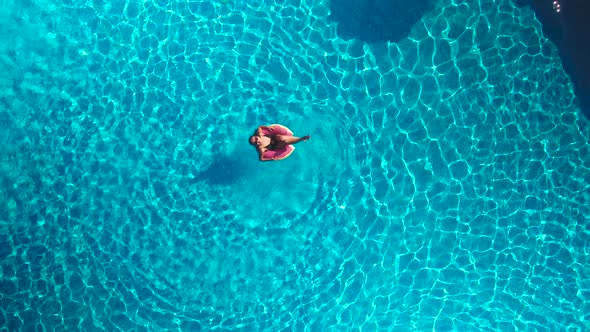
445 187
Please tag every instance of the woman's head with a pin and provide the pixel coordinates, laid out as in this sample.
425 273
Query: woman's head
254 140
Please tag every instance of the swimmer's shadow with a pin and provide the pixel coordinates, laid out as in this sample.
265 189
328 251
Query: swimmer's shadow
223 171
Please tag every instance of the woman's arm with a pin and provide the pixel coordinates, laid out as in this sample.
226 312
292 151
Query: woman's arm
260 130
261 155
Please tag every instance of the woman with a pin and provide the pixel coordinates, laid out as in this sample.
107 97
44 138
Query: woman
274 142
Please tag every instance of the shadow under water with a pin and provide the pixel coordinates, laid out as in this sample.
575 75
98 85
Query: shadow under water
224 170
377 20
569 30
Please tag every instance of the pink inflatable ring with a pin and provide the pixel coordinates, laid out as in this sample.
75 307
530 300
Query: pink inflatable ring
278 154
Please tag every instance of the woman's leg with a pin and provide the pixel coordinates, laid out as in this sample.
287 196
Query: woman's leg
288 140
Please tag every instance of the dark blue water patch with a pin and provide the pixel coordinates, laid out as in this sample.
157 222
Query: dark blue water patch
569 30
223 171
377 20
